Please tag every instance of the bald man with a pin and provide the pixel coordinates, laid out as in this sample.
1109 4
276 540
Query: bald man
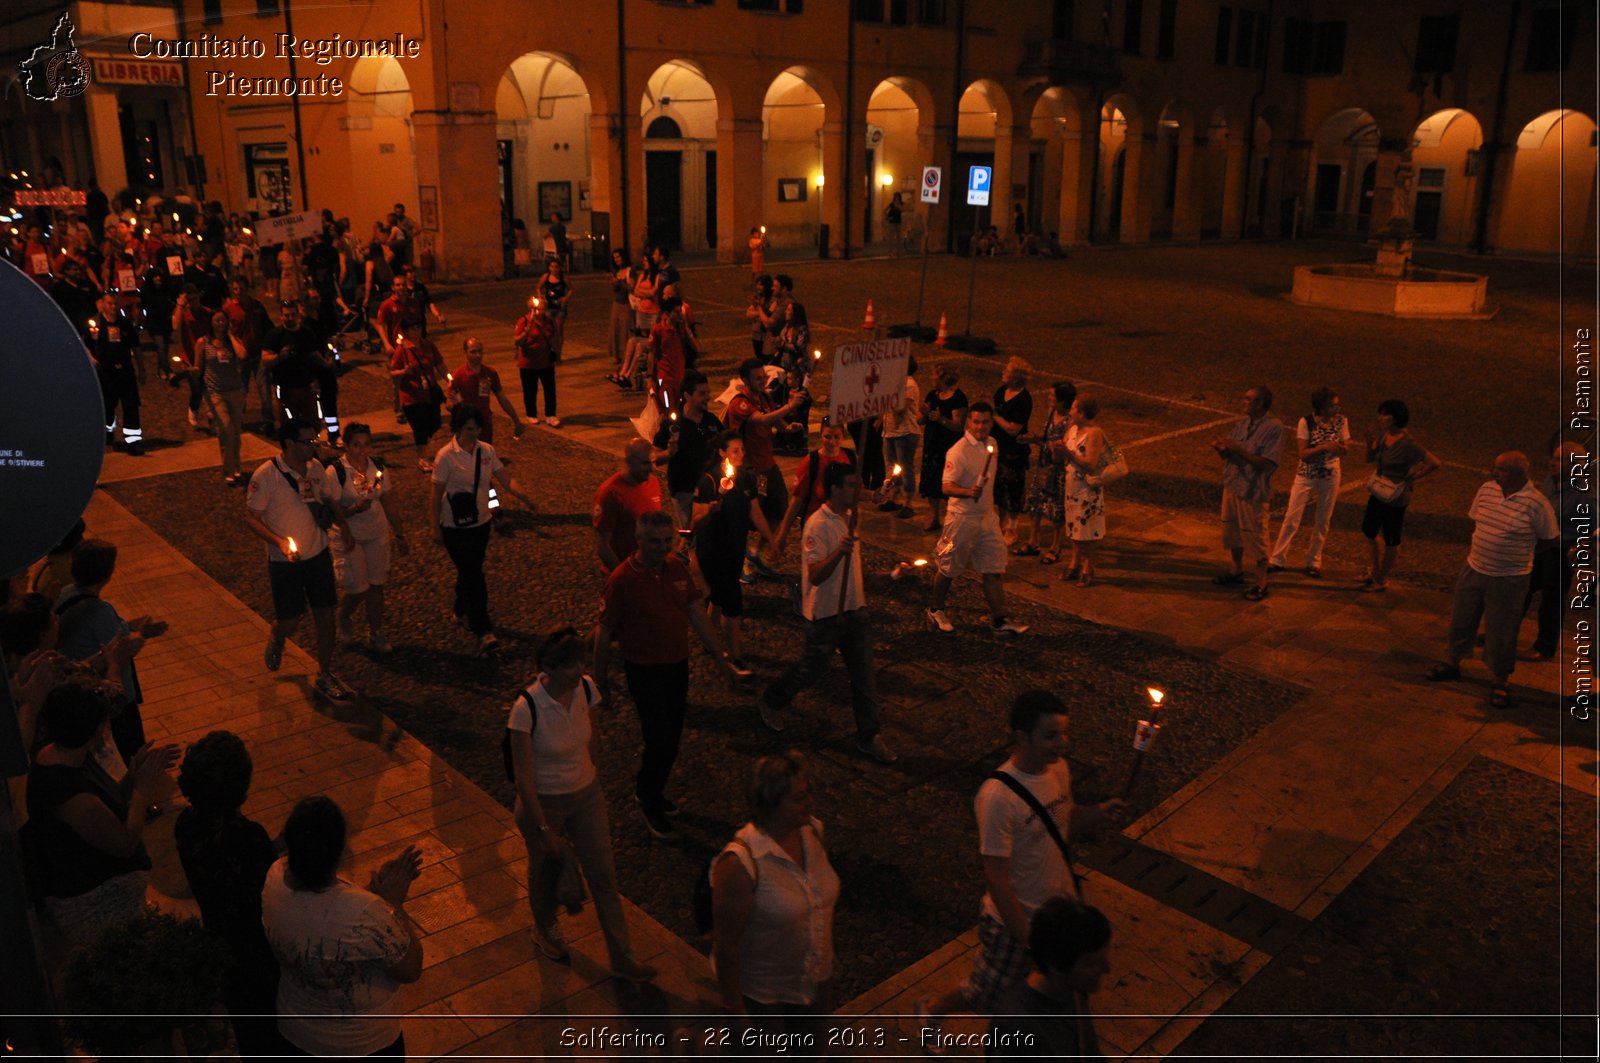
619 503
1511 519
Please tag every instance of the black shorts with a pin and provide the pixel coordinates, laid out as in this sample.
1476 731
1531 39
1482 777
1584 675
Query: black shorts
1382 517
297 583
723 588
775 495
1010 484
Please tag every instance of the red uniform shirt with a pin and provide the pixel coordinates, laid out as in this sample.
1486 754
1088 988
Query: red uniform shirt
757 437
535 335
649 611
477 388
666 346
803 477
391 313
617 506
418 357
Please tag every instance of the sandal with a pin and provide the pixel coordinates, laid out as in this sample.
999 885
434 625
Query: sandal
1500 698
1025 550
1049 557
1440 672
1256 593
1228 579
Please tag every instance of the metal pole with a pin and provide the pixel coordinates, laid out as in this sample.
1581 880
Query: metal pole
294 102
972 274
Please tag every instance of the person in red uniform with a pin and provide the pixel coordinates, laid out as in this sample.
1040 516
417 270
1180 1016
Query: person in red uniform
250 322
672 350
808 493
535 337
751 413
416 368
621 501
477 384
648 606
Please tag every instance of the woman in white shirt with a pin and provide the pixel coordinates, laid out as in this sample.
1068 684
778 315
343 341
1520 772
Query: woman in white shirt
560 808
1323 435
460 510
773 896
363 567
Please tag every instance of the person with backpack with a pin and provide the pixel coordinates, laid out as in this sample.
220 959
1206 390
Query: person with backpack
560 808
1026 814
773 892
726 507
809 490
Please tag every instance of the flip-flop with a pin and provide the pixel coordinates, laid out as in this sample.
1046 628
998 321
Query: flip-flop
1049 557
1500 698
1027 550
1440 672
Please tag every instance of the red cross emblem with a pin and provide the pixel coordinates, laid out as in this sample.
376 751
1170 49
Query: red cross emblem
872 379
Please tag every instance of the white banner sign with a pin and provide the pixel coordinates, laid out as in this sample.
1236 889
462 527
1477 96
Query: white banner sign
868 379
286 227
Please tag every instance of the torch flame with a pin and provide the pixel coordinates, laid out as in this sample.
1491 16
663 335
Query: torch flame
673 416
895 471
763 228
816 356
990 448
293 549
727 469
920 562
1156 695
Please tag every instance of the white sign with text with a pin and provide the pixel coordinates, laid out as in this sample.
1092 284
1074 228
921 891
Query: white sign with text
868 379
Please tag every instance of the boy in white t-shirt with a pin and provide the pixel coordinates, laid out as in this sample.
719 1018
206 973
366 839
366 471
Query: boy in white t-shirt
1022 865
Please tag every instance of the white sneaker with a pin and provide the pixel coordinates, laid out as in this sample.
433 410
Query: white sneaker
1006 629
333 688
939 620
553 422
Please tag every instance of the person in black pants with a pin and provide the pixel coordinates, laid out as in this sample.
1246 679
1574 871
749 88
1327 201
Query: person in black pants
111 343
648 606
462 512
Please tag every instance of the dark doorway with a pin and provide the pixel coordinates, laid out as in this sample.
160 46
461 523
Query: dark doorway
1369 182
1119 169
663 197
1426 222
1325 199
711 200
961 215
507 206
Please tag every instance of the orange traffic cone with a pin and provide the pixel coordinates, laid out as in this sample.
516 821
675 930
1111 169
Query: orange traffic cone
872 321
944 332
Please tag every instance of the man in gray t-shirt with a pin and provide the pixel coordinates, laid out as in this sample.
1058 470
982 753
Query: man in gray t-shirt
1249 457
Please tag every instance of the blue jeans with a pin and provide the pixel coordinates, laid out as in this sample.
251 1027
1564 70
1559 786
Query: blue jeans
852 634
902 451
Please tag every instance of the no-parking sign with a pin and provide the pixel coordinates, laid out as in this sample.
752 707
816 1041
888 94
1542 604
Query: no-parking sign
930 184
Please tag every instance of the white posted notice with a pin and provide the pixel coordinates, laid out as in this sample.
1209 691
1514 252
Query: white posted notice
868 379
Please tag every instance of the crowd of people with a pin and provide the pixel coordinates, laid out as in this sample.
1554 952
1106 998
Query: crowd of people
328 956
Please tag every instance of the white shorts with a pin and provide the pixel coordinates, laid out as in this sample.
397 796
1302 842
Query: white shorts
365 566
971 542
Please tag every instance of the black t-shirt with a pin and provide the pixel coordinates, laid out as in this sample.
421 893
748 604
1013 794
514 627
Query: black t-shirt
667 276
226 861
73 867
300 365
212 285
113 345
554 291
722 534
77 301
1018 410
694 450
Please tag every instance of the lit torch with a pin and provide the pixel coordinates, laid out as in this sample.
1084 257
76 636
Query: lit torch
1144 737
294 549
908 566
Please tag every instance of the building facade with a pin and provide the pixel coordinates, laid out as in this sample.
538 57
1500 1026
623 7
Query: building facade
1119 121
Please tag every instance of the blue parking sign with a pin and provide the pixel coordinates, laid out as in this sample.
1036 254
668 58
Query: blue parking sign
978 179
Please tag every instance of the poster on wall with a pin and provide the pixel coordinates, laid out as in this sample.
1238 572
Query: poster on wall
791 190
428 206
555 197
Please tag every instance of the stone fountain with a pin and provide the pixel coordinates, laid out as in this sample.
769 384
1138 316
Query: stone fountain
1392 284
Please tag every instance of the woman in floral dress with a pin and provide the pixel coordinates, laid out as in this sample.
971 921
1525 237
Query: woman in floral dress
1082 500
1045 501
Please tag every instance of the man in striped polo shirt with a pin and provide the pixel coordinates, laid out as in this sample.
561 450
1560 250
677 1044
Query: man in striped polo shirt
1510 518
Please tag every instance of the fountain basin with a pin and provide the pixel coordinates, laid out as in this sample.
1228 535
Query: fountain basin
1430 293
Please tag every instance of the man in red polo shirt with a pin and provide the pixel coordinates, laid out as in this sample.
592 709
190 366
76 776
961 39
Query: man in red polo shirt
621 501
478 384
649 604
752 414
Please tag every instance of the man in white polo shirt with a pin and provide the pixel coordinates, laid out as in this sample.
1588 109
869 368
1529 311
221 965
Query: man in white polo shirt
972 537
835 604
281 509
1511 518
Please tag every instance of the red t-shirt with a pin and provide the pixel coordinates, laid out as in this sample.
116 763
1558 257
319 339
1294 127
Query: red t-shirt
534 335
649 611
418 356
617 506
390 316
802 476
757 437
477 389
666 343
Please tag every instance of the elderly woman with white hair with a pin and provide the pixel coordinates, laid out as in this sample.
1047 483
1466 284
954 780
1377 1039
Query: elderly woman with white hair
1013 408
773 896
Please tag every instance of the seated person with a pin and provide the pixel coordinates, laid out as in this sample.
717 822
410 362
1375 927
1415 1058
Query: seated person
792 437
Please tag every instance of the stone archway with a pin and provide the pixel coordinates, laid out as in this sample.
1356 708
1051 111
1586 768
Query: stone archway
1444 155
680 173
1548 205
378 110
900 132
543 120
1341 183
1056 127
794 187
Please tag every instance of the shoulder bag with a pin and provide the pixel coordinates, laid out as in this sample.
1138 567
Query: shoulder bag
464 504
1016 787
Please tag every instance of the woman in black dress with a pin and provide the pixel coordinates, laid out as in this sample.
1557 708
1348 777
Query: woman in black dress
944 414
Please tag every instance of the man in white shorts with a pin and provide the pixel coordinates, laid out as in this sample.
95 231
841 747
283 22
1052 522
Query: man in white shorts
972 537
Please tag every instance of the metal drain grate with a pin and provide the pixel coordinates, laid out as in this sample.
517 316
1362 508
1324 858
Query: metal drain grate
1221 905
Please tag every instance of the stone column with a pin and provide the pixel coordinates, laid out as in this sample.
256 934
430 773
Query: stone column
1504 162
455 151
1053 148
105 138
1234 193
835 196
605 186
1187 209
739 170
933 143
1139 188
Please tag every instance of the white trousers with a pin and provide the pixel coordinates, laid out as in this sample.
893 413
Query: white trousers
1326 492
